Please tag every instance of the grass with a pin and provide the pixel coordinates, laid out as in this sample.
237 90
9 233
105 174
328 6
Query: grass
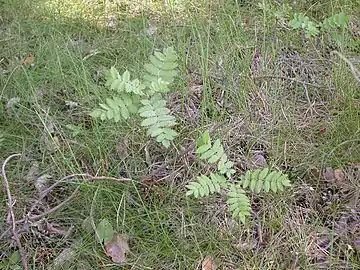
301 130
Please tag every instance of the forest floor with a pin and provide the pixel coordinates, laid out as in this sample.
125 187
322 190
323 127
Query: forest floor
274 97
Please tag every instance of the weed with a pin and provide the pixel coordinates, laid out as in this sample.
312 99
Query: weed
331 25
159 74
257 180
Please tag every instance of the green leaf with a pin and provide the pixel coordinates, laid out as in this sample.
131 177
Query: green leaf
193 185
170 54
162 65
119 101
96 113
168 75
166 143
163 118
208 154
126 99
201 191
110 114
160 137
149 78
149 121
263 173
159 103
156 61
286 182
228 164
153 70
217 145
203 180
270 177
205 138
116 85
253 184
169 65
159 56
148 114
221 165
169 133
295 23
154 132
217 180
230 172
279 186
146 102
104 232
232 200
14 258
146 109
259 185
126 76
203 149
110 102
212 188
125 112
166 123
162 111
117 116
214 158
104 106
267 186
242 218
273 186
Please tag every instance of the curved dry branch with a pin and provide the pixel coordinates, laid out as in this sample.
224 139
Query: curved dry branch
11 203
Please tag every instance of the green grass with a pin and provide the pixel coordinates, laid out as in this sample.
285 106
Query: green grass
297 129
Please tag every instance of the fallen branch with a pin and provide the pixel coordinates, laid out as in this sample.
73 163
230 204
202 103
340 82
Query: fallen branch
11 203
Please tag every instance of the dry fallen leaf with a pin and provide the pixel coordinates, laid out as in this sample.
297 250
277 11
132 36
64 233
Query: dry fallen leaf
208 264
28 60
334 176
339 175
118 248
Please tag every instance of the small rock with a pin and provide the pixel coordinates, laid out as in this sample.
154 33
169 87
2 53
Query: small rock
259 160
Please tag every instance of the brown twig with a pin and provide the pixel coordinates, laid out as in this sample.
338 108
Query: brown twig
11 203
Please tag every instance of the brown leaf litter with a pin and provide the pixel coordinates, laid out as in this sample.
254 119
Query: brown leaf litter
208 264
118 249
